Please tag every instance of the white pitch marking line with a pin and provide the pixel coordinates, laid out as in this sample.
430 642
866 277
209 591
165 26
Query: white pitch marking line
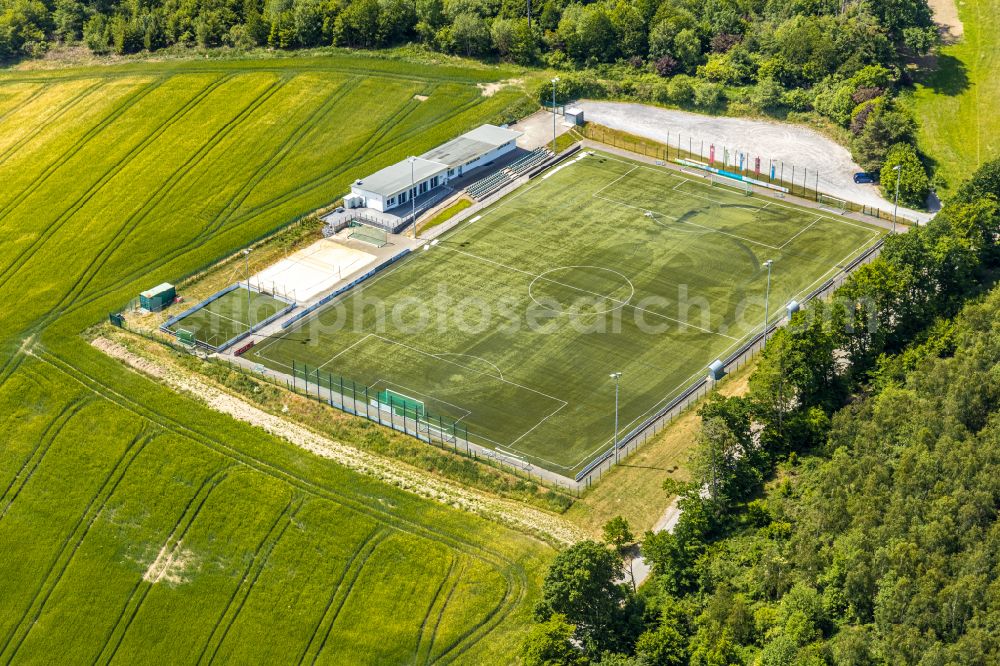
622 203
799 209
345 350
381 380
480 372
592 293
634 167
800 232
495 367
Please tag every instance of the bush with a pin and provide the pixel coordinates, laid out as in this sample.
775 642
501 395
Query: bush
707 95
914 186
681 90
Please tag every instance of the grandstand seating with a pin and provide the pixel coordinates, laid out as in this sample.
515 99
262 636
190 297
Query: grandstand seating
484 187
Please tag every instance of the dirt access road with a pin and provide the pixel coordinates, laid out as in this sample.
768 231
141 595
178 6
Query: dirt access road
785 142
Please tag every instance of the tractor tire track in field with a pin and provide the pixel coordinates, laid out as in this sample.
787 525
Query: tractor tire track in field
440 615
301 68
78 145
28 100
430 607
252 573
33 460
513 575
375 136
476 632
105 178
143 586
315 183
137 218
278 155
340 595
65 556
52 117
325 179
377 533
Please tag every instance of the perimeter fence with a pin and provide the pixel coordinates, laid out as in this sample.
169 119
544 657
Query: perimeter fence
800 181
702 387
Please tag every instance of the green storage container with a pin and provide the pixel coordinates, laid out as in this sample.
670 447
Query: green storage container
158 297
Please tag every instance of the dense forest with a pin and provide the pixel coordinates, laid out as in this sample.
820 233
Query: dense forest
841 60
845 510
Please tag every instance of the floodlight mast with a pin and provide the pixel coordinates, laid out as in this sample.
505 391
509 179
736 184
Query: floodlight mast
617 377
767 293
554 82
895 208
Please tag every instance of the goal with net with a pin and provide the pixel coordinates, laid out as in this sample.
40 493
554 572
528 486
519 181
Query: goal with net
741 186
185 337
832 203
400 404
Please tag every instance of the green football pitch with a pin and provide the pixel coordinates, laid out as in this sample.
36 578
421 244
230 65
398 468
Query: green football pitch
228 316
512 323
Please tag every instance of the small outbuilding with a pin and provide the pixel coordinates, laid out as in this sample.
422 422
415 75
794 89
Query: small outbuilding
716 370
574 116
158 297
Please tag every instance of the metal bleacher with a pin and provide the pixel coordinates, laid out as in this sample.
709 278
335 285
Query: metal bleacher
484 187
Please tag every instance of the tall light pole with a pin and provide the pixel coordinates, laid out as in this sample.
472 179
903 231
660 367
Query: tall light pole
413 198
895 209
246 272
617 377
554 82
767 293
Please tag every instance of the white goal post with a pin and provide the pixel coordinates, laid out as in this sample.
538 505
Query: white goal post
724 181
832 203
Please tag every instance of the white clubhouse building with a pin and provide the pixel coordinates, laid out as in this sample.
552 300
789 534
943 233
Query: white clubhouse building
397 184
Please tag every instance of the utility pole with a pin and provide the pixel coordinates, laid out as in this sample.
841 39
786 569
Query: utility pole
617 377
895 208
554 82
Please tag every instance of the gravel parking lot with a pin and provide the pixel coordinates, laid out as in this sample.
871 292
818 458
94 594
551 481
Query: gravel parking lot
791 144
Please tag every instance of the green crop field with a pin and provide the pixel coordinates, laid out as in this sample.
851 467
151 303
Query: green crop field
512 323
137 525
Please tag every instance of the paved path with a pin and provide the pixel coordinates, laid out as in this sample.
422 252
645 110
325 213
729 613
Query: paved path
791 144
537 129
668 521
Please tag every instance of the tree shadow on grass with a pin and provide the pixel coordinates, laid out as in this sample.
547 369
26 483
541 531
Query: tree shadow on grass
944 74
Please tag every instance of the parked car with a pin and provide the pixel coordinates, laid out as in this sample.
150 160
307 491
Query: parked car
863 178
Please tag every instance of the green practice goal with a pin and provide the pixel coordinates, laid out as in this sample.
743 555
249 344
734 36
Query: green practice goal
401 404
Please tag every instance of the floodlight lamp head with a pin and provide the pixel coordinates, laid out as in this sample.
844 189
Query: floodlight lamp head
555 79
897 167
769 262
615 375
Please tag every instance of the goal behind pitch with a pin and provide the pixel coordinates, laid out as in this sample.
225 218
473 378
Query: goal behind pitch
741 186
832 203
